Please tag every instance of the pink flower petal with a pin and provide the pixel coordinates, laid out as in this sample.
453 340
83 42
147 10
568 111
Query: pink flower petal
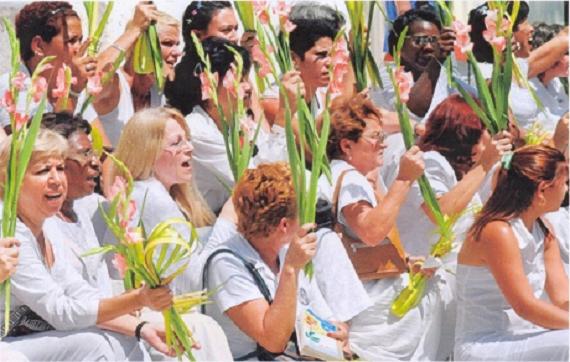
20 120
19 81
39 88
120 264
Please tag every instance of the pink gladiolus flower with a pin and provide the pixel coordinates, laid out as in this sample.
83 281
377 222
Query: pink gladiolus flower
132 209
249 127
120 264
260 59
207 87
261 11
490 35
499 43
119 187
340 61
289 26
20 120
39 87
62 89
44 67
229 80
463 43
133 236
404 81
94 85
7 102
19 81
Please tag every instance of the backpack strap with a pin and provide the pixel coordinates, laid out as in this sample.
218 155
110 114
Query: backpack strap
250 268
260 352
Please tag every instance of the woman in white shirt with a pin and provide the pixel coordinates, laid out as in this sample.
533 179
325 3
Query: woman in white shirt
213 174
368 214
73 230
459 156
47 293
164 188
512 291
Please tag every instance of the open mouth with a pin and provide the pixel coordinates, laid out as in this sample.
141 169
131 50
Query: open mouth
186 164
54 197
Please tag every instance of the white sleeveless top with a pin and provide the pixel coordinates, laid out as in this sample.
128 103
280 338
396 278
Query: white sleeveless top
482 310
114 121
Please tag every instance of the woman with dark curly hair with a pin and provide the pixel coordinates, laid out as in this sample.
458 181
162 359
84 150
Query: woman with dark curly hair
50 28
512 292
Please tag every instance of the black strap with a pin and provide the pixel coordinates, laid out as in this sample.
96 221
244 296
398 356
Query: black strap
260 352
250 267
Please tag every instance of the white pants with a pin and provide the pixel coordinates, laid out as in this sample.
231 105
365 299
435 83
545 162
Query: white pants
548 345
91 344
205 330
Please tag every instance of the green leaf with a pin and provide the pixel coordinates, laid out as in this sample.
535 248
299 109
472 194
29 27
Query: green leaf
245 13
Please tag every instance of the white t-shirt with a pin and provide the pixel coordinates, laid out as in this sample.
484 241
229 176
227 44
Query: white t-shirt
554 99
417 232
114 121
521 102
355 187
76 239
58 294
212 170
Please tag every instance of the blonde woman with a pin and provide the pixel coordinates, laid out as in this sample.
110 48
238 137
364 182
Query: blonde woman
155 147
54 312
130 92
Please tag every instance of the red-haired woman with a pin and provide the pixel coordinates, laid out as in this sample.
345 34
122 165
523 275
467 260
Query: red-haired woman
459 156
512 292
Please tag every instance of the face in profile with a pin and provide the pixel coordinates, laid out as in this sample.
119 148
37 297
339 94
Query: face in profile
82 166
174 163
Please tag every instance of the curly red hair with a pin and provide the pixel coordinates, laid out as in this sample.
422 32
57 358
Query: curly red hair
262 197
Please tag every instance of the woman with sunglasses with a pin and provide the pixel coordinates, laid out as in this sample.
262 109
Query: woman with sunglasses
512 292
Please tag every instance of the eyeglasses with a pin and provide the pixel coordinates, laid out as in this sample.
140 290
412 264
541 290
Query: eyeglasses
423 40
179 147
83 156
376 136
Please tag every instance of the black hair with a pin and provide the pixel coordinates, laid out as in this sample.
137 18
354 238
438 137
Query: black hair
184 92
197 16
41 18
543 33
65 123
424 13
482 50
313 21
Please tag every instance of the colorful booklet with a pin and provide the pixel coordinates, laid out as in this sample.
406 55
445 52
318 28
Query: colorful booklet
313 340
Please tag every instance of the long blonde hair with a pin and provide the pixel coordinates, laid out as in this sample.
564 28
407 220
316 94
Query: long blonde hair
140 146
